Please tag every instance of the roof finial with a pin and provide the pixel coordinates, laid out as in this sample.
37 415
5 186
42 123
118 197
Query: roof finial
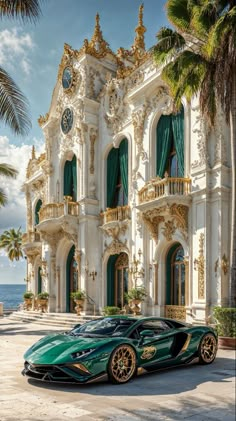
140 30
33 153
97 35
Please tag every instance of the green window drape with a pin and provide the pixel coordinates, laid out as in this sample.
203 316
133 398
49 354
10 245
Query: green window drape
178 133
123 155
39 280
36 212
164 140
111 279
170 127
68 179
74 178
112 174
168 272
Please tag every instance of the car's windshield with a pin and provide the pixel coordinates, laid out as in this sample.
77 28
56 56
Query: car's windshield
103 327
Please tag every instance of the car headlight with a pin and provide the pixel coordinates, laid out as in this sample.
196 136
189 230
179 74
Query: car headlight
84 353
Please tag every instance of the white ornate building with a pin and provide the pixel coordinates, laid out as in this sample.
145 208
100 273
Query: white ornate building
127 192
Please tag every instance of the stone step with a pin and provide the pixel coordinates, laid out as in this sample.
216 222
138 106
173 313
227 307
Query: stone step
65 320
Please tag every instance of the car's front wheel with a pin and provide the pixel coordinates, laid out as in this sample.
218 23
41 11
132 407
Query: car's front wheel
207 349
122 364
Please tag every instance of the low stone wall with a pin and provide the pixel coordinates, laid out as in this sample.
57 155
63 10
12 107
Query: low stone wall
1 309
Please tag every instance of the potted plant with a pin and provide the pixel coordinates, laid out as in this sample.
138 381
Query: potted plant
42 301
110 310
78 297
225 326
135 296
28 299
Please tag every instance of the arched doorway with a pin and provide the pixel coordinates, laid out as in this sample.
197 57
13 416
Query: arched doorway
175 282
71 280
117 280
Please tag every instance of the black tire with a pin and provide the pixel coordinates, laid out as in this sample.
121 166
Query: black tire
122 364
207 349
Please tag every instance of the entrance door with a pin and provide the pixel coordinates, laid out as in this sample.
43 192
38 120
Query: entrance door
71 280
117 280
175 287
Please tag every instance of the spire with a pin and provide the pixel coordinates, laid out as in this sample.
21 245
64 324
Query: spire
140 30
33 153
97 46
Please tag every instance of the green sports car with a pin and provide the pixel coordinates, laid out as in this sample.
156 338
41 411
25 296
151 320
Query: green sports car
118 347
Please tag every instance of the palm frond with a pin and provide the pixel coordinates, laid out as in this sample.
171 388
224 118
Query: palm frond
225 25
13 105
3 198
169 43
8 171
179 15
27 10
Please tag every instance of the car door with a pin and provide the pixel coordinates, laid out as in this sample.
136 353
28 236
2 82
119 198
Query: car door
156 348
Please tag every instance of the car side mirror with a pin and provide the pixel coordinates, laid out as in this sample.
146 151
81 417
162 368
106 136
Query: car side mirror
147 333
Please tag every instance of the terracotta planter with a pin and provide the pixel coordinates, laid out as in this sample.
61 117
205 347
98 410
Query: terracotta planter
135 307
79 306
43 304
225 342
28 303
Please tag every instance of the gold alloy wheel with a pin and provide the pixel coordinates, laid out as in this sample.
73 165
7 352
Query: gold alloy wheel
122 364
208 349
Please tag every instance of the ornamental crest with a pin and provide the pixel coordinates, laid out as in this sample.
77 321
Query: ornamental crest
148 352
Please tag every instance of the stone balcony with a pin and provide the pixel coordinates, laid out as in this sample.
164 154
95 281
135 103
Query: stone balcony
115 220
31 242
53 215
158 192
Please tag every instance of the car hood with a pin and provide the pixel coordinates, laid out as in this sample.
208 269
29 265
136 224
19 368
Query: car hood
57 349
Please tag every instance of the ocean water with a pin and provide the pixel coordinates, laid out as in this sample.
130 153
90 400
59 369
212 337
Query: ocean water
11 295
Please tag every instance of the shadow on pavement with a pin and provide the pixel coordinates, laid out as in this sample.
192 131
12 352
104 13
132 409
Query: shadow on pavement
163 382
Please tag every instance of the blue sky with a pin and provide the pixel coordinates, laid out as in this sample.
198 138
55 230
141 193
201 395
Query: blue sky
31 54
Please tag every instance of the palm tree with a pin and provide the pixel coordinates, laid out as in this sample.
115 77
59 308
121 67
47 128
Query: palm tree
7 171
199 57
13 104
11 242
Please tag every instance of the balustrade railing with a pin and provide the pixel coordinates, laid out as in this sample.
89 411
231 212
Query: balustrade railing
56 210
167 186
120 213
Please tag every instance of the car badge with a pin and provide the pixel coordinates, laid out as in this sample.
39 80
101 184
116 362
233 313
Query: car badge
148 352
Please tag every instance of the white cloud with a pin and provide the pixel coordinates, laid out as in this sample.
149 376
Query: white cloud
15 48
13 215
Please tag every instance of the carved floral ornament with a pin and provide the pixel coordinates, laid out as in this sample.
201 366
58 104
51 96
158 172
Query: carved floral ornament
174 217
115 247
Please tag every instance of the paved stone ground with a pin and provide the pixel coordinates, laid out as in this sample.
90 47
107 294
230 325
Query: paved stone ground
194 393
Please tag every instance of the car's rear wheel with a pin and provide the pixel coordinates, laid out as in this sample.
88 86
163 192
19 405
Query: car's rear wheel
122 364
207 349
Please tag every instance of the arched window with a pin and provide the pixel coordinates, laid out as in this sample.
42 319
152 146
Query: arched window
70 179
117 176
170 145
36 212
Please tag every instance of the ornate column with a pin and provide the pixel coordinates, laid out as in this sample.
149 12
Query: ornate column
156 266
186 264
58 289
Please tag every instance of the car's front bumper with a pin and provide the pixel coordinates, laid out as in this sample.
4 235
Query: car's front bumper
60 374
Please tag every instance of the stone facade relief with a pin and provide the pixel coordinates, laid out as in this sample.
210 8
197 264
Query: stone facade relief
202 131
